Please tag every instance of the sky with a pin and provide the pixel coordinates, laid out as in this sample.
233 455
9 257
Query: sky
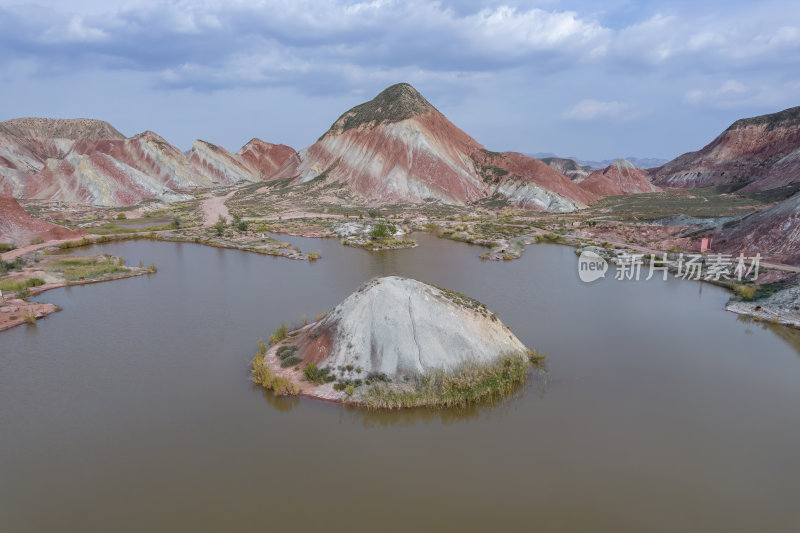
595 80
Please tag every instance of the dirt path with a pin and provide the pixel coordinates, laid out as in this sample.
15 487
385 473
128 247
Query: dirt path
213 207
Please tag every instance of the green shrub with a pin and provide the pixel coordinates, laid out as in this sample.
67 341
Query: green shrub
282 386
279 334
317 375
292 360
284 352
10 285
746 292
37 240
261 373
219 227
241 226
6 247
382 230
16 264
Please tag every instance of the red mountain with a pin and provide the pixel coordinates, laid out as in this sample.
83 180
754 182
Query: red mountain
88 161
399 148
753 154
18 227
621 177
265 159
773 232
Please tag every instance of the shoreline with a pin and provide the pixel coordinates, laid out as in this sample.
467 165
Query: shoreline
18 310
500 250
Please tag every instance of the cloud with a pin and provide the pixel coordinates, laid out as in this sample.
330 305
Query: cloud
595 110
733 94
208 45
523 64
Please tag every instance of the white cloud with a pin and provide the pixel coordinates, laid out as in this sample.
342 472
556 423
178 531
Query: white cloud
213 36
74 31
596 109
731 93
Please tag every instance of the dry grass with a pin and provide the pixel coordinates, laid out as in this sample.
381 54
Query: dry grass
470 384
262 374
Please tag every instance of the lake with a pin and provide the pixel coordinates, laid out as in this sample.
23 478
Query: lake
131 410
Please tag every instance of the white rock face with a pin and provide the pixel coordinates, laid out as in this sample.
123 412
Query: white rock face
530 195
403 327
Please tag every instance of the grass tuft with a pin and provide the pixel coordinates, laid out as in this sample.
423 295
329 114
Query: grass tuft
470 384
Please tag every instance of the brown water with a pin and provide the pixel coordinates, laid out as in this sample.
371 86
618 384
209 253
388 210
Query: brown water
132 411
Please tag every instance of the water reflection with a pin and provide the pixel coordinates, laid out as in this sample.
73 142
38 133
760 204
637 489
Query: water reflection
788 334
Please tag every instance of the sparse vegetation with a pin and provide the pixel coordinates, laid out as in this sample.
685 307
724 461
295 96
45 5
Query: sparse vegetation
16 264
81 268
279 334
20 287
317 375
457 389
37 240
219 227
29 317
746 292
382 230
261 373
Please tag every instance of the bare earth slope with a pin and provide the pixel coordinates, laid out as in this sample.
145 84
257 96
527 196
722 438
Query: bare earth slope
774 233
403 327
18 227
758 153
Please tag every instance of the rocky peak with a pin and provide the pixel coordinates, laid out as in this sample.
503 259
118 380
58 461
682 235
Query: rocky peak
623 164
782 119
394 104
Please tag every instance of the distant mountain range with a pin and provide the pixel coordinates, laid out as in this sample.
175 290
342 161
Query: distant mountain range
641 162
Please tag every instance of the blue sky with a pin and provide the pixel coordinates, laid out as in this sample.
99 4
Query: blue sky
589 79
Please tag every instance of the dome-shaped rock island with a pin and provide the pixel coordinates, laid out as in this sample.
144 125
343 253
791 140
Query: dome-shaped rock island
397 342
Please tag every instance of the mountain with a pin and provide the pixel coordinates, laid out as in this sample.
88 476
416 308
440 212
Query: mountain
223 167
641 162
89 161
569 167
18 227
265 159
774 233
399 148
621 177
753 154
